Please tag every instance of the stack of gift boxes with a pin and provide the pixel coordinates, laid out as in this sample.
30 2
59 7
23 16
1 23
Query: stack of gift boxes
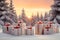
41 28
45 28
18 29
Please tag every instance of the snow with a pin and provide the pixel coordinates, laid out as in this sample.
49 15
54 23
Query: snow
37 37
58 17
4 36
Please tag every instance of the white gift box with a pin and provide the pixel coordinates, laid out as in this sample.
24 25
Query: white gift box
55 28
16 31
29 31
47 30
6 29
23 31
11 29
23 28
33 30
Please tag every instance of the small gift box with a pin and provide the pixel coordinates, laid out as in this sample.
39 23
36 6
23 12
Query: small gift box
48 30
29 31
55 28
6 28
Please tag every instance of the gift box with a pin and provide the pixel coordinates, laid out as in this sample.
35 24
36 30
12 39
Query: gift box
23 31
23 28
41 29
55 28
16 31
38 28
6 28
46 29
29 31
33 30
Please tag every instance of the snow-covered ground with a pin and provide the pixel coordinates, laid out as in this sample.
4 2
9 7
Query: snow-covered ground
4 36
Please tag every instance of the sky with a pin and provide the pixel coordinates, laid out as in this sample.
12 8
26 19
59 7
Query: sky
32 6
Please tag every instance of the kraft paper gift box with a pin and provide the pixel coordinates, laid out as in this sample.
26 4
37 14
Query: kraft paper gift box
38 27
17 31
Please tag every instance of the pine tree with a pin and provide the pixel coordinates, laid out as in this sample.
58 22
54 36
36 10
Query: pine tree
4 12
23 15
41 17
46 16
34 20
13 13
37 16
55 11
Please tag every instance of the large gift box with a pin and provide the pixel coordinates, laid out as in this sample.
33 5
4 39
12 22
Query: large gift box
38 28
16 31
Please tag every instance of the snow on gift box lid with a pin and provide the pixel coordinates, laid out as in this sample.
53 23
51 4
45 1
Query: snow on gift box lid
29 27
47 27
7 24
17 26
40 22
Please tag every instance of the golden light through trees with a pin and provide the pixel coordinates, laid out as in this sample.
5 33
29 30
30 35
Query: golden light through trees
32 6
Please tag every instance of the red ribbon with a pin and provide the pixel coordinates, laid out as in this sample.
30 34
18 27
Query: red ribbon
47 28
17 27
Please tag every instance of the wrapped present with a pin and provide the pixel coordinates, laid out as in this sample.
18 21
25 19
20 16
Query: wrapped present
46 30
6 28
55 28
23 28
33 28
17 31
38 28
29 31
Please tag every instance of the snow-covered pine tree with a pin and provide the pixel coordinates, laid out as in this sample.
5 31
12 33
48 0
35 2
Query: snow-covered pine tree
4 12
55 11
12 12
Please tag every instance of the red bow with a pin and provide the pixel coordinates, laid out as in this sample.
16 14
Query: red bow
17 27
47 28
